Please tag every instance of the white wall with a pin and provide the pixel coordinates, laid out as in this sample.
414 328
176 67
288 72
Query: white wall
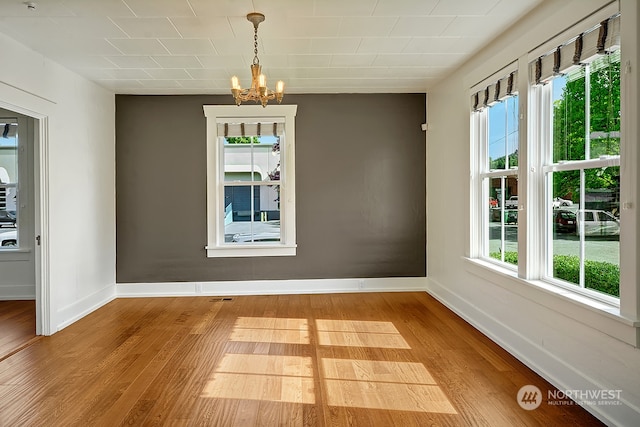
79 135
567 343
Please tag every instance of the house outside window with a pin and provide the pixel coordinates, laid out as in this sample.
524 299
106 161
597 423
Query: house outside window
250 180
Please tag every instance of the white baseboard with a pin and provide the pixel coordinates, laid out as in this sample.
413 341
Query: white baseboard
83 307
558 372
271 287
17 292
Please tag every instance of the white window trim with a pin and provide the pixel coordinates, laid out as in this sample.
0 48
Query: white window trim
216 246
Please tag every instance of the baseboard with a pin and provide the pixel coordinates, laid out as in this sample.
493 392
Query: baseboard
555 370
79 309
17 292
271 287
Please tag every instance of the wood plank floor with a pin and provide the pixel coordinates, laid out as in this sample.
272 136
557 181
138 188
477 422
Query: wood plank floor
375 359
18 326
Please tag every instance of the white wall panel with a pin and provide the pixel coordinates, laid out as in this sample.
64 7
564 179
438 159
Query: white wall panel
79 171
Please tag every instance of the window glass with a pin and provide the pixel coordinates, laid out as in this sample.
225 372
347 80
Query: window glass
503 134
252 191
502 226
501 211
590 93
604 132
8 184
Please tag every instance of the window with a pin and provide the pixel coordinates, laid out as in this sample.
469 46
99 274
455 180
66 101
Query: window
9 178
250 180
496 123
581 163
567 190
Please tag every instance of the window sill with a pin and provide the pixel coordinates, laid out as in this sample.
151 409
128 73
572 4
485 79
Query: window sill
593 313
15 255
250 251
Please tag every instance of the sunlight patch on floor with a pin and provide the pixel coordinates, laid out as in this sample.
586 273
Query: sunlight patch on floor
375 370
353 333
374 384
355 326
399 397
272 330
274 378
272 388
295 366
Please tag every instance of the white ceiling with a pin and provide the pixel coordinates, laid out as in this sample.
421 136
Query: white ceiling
315 46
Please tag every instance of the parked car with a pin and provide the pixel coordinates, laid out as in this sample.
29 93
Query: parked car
511 203
598 223
257 237
558 202
9 238
565 221
7 218
510 216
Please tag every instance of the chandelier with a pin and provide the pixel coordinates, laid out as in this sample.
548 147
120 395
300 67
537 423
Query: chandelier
258 92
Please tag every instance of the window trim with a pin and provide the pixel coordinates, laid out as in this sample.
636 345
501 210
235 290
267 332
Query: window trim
216 246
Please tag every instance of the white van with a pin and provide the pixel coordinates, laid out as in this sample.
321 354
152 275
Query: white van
598 223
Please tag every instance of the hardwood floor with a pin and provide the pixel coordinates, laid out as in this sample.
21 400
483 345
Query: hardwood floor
18 326
375 359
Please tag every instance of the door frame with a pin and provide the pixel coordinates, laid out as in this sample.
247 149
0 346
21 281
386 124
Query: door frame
39 135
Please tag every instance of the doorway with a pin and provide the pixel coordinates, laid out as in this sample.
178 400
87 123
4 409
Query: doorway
19 244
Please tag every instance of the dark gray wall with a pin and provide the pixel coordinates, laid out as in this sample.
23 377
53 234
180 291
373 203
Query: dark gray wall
360 190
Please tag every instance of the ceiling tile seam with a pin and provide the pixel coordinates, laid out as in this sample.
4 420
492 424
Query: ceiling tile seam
174 27
118 27
191 8
129 7
106 58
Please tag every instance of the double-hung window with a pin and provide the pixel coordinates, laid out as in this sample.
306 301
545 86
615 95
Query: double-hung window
250 180
495 122
577 89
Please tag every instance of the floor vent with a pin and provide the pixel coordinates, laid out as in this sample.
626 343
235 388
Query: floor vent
220 299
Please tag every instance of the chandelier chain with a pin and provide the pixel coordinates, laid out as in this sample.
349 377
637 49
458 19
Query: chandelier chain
255 46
